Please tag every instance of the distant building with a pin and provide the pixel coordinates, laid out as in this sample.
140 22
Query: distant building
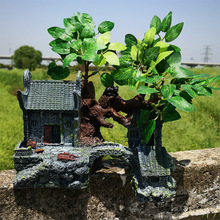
50 110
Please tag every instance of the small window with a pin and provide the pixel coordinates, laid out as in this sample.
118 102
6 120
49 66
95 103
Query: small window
34 123
75 101
68 124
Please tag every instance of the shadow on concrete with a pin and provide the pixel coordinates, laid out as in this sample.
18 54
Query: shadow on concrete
55 203
182 195
119 198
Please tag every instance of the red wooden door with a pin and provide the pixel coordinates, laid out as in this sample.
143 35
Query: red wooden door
47 133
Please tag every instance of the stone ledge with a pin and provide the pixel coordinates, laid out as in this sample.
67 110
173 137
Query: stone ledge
110 196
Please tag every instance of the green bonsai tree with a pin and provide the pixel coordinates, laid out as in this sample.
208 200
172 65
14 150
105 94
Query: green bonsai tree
152 66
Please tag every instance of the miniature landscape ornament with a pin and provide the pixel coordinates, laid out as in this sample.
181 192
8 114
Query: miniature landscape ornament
62 142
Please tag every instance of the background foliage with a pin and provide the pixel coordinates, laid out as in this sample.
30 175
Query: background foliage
195 130
26 57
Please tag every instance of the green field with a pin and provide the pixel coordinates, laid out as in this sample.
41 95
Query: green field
196 130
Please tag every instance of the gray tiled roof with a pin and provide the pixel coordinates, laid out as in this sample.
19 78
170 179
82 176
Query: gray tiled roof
51 95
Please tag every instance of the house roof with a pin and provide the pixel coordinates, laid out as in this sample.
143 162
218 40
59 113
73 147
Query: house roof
51 95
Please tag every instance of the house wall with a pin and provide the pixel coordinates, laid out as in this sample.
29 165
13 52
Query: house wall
34 129
68 127
38 119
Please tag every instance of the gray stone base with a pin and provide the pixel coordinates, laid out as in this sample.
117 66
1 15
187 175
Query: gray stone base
44 170
149 168
110 195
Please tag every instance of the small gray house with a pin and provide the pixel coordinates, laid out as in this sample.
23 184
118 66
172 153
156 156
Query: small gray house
50 110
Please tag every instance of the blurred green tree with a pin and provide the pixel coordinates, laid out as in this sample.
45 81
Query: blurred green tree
27 57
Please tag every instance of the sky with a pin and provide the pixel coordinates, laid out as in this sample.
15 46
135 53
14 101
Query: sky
25 22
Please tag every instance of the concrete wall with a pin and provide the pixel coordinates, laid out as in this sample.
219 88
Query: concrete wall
110 196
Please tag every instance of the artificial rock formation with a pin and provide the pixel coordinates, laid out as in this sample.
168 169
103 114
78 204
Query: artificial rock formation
110 196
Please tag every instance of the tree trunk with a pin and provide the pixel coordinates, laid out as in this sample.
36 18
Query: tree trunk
93 113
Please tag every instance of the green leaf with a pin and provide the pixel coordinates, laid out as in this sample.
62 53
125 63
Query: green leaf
101 61
90 55
177 92
58 32
168 90
122 75
173 32
105 26
146 90
143 118
100 46
163 55
88 31
174 59
163 46
202 75
134 52
77 25
125 61
175 48
201 90
132 80
198 81
116 46
61 48
150 55
107 80
170 114
149 130
149 79
214 88
156 23
58 72
56 41
51 65
130 40
104 38
91 44
149 36
69 58
189 90
165 24
212 79
83 18
152 66
180 72
111 58
70 28
76 45
69 24
180 103
186 96
65 37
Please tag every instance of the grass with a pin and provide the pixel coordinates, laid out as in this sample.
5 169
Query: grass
196 130
11 127
11 120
